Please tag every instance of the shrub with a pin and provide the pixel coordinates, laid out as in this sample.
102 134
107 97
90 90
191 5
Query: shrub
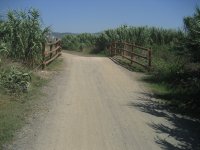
14 80
167 70
192 42
78 41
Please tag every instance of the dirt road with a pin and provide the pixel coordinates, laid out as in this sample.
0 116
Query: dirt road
93 108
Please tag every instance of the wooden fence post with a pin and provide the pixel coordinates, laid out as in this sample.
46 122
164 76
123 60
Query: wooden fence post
56 45
43 56
110 49
115 47
132 54
50 50
111 46
149 58
124 47
60 47
53 53
121 49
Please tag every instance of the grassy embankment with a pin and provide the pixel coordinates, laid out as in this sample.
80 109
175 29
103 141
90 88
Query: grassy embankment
16 107
21 38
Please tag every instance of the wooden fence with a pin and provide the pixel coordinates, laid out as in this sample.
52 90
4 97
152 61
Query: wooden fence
133 53
52 53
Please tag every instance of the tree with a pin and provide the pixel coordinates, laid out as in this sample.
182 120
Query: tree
192 27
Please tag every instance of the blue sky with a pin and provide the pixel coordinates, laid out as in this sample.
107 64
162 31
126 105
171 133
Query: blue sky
97 15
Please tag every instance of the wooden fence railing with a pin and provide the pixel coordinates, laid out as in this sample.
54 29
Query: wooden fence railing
51 54
133 53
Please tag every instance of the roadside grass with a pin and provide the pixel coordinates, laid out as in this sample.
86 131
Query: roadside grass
56 65
174 98
15 108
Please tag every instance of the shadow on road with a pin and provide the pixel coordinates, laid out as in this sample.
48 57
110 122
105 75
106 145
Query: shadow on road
185 130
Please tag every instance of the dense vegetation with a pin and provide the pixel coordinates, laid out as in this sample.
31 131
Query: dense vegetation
21 36
145 36
79 41
176 55
192 40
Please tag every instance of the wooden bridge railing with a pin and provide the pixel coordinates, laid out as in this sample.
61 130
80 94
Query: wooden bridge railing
133 53
51 54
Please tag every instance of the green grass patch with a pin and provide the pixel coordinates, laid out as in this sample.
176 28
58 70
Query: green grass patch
176 98
15 108
56 65
159 88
